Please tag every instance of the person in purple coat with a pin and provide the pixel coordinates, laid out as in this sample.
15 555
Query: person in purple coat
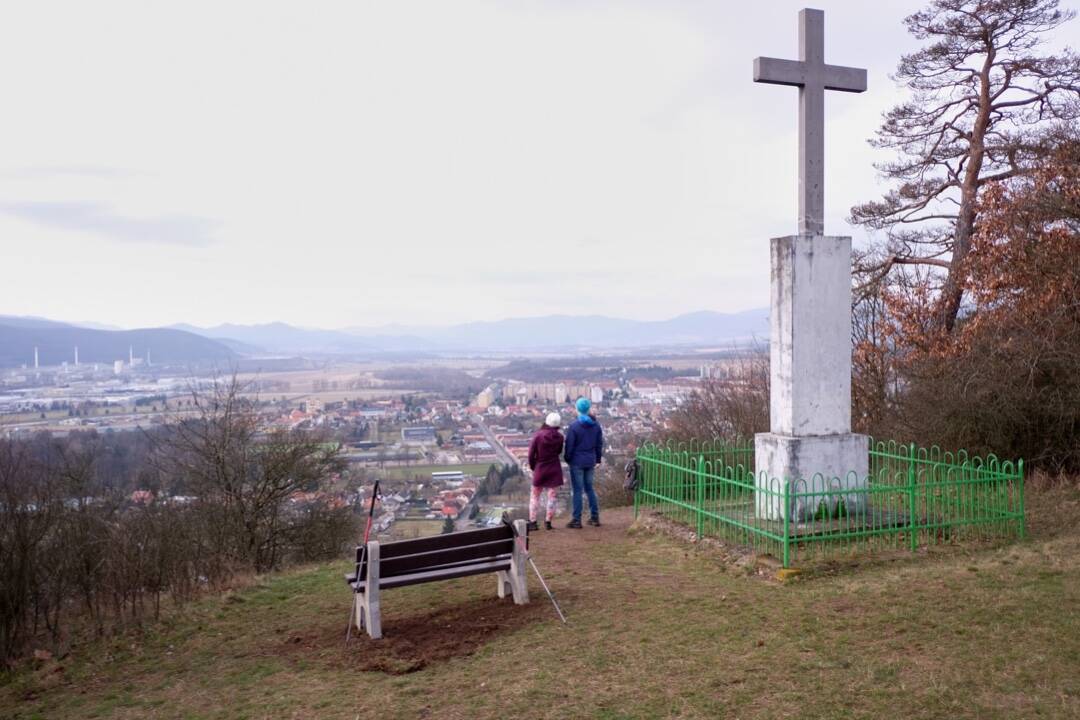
584 450
546 466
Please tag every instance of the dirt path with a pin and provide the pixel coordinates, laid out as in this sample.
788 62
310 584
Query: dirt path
564 549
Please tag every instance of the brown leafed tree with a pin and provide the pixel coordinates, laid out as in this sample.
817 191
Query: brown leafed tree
1008 379
982 100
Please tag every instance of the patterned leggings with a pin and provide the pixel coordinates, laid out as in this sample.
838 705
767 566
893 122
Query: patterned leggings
534 503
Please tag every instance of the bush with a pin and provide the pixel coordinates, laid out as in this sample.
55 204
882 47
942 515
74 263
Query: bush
609 479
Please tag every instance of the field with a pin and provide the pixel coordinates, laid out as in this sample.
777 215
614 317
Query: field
406 529
658 628
407 472
333 381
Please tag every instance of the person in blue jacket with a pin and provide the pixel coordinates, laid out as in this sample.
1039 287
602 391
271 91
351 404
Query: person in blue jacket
583 452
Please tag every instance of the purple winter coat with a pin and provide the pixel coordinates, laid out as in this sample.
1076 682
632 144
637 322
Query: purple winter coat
544 451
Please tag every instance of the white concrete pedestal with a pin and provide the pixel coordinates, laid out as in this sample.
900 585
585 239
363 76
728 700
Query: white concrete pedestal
832 464
811 446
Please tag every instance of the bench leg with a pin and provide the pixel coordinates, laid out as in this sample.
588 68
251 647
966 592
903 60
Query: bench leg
371 592
367 614
518 577
358 603
505 587
371 612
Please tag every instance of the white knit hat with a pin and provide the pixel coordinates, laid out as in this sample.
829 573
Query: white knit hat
553 420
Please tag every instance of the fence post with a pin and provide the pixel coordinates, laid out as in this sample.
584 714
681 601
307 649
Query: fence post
911 498
700 496
787 523
640 478
1020 478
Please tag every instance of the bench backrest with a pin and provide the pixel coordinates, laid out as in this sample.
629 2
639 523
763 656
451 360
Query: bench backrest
403 557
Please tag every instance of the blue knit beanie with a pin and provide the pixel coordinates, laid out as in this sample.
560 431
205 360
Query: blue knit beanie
583 405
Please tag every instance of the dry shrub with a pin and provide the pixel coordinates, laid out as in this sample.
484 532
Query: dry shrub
733 409
608 482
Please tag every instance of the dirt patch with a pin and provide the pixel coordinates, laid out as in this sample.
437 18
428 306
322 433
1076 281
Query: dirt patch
413 642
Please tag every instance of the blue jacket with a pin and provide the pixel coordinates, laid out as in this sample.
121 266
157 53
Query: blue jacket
584 444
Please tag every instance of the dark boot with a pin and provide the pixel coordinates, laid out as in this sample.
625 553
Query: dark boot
547 525
595 521
531 526
576 524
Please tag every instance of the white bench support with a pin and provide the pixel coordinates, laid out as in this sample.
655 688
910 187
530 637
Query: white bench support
518 579
505 587
367 605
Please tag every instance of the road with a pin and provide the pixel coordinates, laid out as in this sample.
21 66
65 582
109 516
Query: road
500 452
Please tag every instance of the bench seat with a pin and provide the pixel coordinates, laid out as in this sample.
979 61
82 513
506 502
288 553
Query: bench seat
444 573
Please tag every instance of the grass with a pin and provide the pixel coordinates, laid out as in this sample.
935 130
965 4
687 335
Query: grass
658 629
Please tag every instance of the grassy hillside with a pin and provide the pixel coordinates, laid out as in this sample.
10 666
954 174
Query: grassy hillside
658 629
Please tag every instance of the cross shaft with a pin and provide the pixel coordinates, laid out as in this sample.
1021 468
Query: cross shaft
813 77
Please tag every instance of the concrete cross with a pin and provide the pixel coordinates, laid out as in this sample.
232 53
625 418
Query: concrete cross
813 77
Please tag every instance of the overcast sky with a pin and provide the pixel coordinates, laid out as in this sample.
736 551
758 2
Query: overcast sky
361 163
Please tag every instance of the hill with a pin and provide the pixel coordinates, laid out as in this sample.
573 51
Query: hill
56 343
30 321
281 337
657 628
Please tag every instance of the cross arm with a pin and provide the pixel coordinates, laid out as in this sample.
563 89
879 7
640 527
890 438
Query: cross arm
779 72
845 79
796 73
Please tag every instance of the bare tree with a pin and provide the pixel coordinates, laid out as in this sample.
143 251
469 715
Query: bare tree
29 504
732 409
982 99
244 472
875 381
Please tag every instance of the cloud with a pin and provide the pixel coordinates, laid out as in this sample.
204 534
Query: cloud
186 230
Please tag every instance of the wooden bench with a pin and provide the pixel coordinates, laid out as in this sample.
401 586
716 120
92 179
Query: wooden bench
439 557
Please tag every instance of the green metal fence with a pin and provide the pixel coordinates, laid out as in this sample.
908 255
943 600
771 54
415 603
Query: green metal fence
912 497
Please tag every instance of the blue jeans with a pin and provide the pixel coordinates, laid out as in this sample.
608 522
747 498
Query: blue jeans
581 479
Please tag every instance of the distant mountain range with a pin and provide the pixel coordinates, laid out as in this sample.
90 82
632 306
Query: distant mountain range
281 338
189 344
56 344
585 331
552 332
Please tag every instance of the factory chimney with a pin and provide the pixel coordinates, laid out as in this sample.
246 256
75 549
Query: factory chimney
76 356
35 358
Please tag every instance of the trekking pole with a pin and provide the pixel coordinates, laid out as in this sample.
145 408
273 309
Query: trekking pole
528 556
360 564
